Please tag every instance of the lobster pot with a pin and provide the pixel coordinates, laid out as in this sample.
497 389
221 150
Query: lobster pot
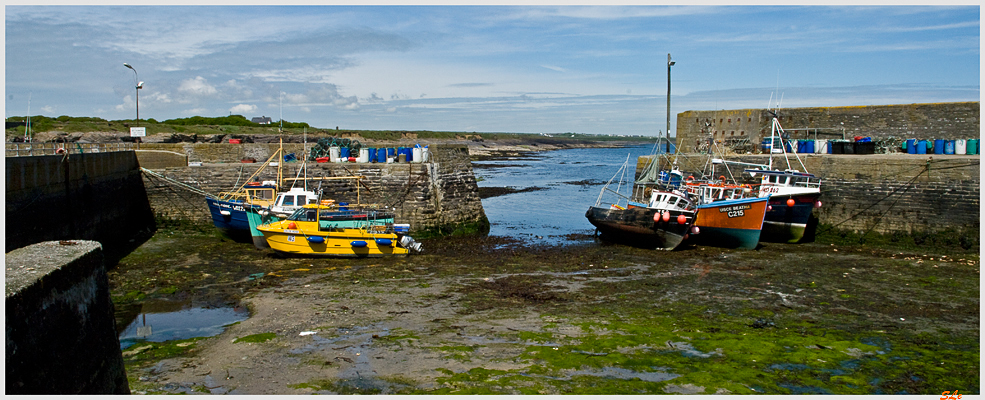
334 154
416 156
363 156
961 146
973 146
822 146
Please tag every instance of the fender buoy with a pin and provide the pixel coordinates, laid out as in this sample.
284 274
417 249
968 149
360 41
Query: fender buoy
681 219
656 216
666 216
791 202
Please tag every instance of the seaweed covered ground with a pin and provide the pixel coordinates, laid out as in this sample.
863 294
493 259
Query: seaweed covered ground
489 315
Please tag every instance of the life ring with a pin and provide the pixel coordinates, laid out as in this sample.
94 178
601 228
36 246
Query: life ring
689 179
61 150
722 178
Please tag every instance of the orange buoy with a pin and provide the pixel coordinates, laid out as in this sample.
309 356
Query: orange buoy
791 202
681 219
292 226
666 216
656 216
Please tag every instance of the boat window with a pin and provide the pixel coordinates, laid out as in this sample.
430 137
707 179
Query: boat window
288 200
300 199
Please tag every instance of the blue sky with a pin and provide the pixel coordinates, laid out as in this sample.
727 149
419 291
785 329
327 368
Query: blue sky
597 70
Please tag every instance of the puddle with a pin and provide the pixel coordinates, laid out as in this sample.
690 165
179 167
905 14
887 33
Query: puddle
159 321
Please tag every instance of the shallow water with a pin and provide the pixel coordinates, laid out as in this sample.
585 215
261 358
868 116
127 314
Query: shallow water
159 321
570 180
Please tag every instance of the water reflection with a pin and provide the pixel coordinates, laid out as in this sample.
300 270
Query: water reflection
158 321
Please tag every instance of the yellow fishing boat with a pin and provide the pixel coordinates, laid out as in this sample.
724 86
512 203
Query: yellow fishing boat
324 230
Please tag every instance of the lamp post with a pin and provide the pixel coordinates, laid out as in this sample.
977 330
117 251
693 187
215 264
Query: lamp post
669 64
139 85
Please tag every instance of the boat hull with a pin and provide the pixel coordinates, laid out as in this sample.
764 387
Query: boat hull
785 224
735 224
230 217
635 226
347 242
335 219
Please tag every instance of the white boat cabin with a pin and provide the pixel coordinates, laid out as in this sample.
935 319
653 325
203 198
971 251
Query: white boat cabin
787 182
669 201
708 193
291 200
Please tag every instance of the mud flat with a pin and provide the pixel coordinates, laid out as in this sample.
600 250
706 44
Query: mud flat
491 315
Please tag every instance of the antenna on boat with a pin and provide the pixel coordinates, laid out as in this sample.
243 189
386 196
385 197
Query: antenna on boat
304 157
27 125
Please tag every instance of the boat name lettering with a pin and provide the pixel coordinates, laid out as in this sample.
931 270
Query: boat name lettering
737 207
291 231
735 211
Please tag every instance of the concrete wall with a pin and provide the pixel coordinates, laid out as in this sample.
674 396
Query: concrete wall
59 326
439 194
884 193
897 122
84 196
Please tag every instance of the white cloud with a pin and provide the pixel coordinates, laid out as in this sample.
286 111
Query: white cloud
243 109
197 87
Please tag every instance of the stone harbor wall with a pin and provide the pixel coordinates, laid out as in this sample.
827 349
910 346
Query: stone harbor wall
882 122
437 195
96 196
59 325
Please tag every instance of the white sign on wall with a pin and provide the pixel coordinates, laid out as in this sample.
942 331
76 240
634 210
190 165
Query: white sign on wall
138 132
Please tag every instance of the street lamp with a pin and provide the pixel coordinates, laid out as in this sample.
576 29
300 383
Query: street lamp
669 64
139 85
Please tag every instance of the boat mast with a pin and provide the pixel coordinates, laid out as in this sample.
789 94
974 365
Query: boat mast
280 164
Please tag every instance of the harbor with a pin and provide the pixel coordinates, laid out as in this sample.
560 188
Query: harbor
541 308
199 312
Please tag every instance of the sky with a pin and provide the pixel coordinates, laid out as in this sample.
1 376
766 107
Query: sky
494 68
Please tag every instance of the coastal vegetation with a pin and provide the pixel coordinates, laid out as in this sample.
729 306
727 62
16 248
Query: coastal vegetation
240 125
